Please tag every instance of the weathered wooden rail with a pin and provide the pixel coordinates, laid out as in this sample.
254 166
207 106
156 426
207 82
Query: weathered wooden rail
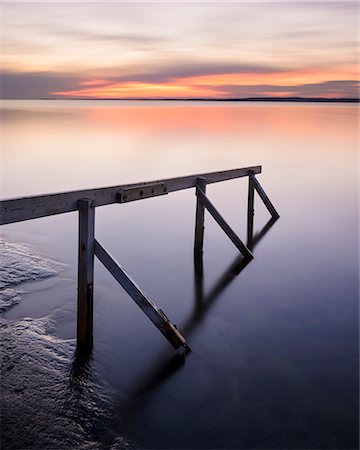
86 201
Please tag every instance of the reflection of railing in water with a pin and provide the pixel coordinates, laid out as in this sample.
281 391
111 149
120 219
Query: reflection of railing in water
167 366
20 209
204 302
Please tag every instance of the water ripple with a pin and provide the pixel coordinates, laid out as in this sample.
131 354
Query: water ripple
54 398
20 263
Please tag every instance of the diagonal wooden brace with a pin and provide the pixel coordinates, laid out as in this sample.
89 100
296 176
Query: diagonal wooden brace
223 224
157 317
270 207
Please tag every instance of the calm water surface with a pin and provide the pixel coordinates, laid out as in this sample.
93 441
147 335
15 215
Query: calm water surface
275 353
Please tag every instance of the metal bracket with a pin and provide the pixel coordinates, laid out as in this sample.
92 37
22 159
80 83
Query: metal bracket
140 192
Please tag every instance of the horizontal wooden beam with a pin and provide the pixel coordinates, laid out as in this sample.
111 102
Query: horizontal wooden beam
26 208
157 317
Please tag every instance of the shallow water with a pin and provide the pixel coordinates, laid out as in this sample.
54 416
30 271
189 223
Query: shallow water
275 354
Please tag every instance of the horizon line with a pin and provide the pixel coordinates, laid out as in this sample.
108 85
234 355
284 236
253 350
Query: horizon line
234 99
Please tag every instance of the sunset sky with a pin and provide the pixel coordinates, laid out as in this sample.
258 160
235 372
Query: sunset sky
179 50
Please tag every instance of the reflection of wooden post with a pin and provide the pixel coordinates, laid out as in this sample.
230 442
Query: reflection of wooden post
85 273
199 221
199 281
250 212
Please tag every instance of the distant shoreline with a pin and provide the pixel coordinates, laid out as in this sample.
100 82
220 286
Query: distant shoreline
248 99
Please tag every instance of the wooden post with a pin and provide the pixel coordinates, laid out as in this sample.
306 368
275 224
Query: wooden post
85 274
250 213
199 220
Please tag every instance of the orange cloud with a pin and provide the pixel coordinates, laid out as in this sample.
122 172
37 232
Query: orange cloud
287 78
281 83
142 90
93 82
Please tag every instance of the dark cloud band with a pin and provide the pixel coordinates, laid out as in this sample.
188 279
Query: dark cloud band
41 85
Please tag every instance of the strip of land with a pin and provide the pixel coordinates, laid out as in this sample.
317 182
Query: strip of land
248 99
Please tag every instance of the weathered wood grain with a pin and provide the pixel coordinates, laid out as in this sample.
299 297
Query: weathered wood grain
25 208
250 213
85 274
199 219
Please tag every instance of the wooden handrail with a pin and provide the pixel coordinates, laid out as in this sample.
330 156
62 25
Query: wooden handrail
26 208
85 201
